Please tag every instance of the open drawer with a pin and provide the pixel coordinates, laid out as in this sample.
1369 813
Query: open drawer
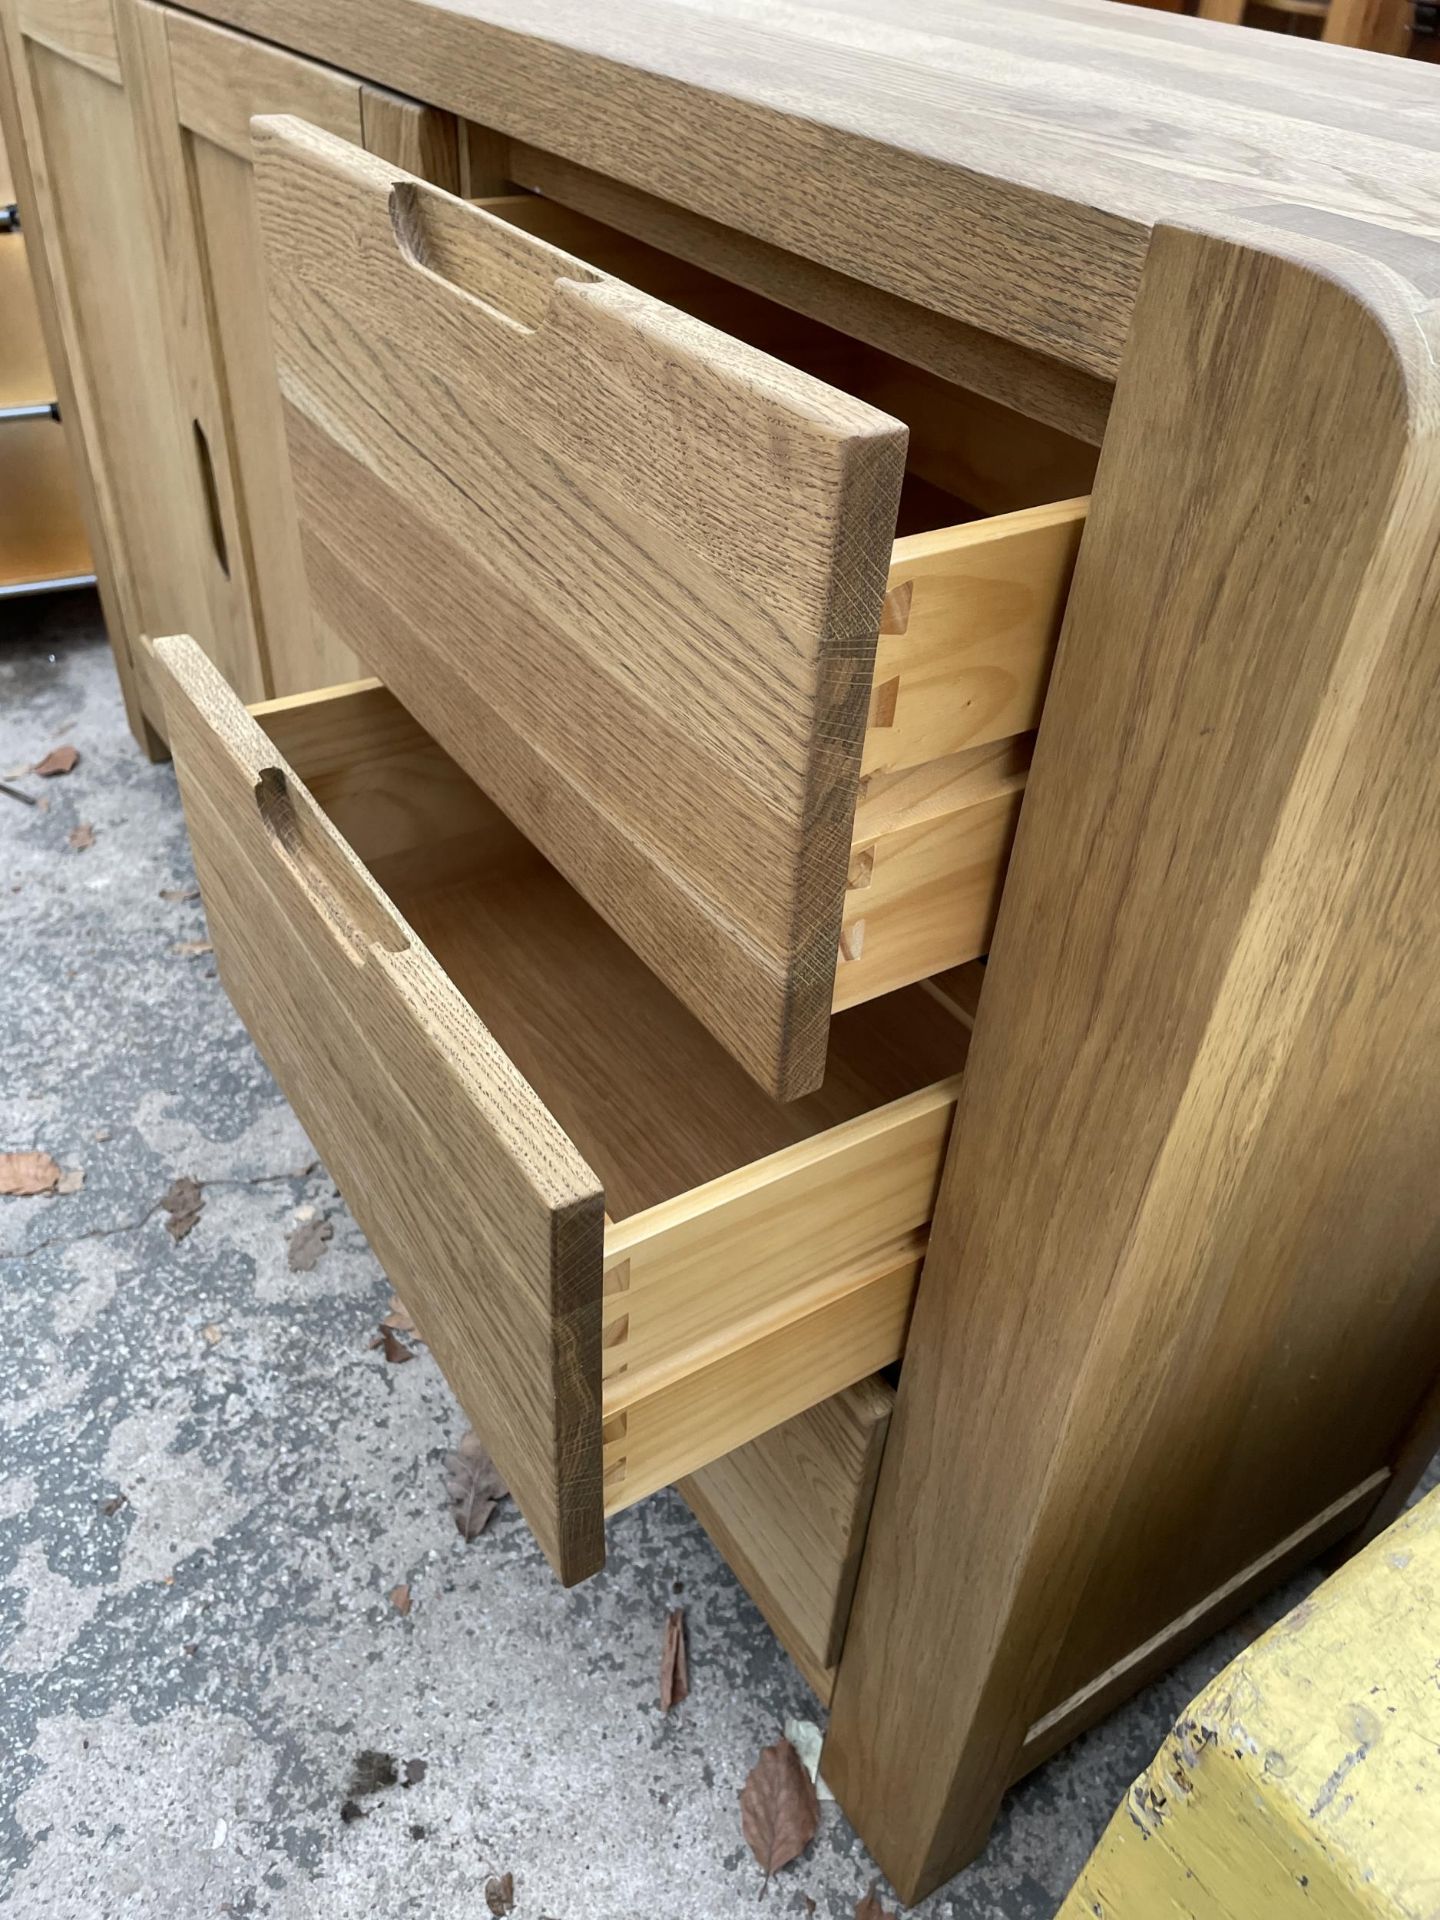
623 536
487 1068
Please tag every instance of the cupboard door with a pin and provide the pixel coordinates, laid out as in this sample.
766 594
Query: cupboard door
202 85
157 545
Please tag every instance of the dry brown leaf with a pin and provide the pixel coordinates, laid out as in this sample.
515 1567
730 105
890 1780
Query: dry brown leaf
184 1202
674 1668
192 949
778 1808
396 1351
869 1908
500 1894
58 760
397 1317
28 1173
71 1181
475 1486
307 1243
400 1600
82 836
179 893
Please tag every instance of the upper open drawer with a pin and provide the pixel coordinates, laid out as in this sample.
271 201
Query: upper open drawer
627 1258
630 570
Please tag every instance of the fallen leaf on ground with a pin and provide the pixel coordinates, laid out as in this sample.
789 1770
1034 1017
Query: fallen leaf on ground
213 1334
372 1771
115 1503
398 1318
400 1600
869 1908
192 949
778 1809
58 760
674 1669
71 1181
307 1243
179 893
396 1351
500 1893
184 1202
82 836
28 1173
807 1739
474 1485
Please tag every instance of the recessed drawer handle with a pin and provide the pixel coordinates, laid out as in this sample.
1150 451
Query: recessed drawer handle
509 275
354 915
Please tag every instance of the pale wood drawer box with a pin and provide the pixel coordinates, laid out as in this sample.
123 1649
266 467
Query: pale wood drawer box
627 1257
621 535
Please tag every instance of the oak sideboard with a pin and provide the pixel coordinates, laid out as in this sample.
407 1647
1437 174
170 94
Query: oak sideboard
803 649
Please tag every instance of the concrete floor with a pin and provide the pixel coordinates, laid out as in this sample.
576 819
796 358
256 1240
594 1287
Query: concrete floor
186 1678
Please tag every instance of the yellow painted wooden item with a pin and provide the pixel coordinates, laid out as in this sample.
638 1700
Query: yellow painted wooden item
1306 1779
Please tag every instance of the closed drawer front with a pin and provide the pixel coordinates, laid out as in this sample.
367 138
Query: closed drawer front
627 1257
789 1513
623 537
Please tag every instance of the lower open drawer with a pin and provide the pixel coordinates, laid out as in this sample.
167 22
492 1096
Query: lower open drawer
627 1258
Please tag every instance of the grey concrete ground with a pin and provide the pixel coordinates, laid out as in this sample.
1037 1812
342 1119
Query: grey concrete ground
210 1484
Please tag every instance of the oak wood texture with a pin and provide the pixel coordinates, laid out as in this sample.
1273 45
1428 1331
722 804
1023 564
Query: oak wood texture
197 87
397 1082
982 363
789 1513
41 536
1190 1217
77 174
671 702
971 617
462 1090
647 646
996 161
1304 1779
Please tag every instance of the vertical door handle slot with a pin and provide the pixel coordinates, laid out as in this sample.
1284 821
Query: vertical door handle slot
212 498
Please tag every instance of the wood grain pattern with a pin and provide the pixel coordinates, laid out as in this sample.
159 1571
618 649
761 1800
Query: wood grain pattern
789 1513
230 635
983 363
715 529
1190 1218
972 617
53 305
101 278
960 158
222 79
483 1213
198 86
462 1127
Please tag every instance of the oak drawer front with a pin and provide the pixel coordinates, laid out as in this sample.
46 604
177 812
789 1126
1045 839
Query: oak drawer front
789 1512
486 1067
627 565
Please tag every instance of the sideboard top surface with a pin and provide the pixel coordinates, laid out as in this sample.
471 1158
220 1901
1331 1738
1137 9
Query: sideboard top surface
1002 161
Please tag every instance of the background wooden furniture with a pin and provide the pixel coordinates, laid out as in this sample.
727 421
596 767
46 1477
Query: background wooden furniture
1382 26
1305 1778
42 543
1178 1327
